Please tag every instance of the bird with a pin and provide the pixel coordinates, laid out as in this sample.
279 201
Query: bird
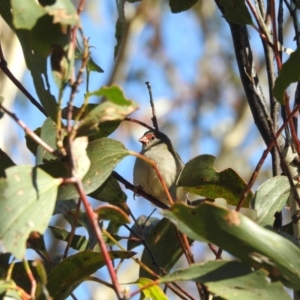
157 147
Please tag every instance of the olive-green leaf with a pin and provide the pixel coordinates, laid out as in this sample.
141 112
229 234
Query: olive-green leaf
112 213
115 107
231 280
235 11
143 228
75 269
26 204
111 192
79 242
163 236
270 197
200 178
5 162
27 13
237 234
35 61
289 73
104 155
48 135
179 6
93 67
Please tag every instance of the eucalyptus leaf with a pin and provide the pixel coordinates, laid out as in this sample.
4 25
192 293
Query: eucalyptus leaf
26 205
200 178
163 236
76 268
289 73
104 155
231 280
237 234
179 6
5 162
235 11
78 242
269 198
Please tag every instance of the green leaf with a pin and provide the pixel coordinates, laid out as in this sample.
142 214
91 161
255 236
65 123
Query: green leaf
103 130
270 197
63 11
36 63
142 227
179 6
48 135
93 67
116 107
30 143
38 269
5 162
154 292
114 94
120 29
237 234
163 236
75 269
111 192
200 178
26 205
79 242
231 280
289 73
104 155
112 213
27 13
235 11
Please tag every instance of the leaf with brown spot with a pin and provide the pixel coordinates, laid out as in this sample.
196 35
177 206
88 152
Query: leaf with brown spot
252 244
68 274
26 204
199 177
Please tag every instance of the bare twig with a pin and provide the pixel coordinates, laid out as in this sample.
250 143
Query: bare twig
138 122
139 191
154 118
29 132
31 278
18 84
73 228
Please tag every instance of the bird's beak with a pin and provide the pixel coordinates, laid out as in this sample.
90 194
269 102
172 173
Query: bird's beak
144 140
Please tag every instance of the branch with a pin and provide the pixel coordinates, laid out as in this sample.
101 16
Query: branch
17 83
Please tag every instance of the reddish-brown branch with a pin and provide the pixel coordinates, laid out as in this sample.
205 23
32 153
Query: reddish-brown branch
93 218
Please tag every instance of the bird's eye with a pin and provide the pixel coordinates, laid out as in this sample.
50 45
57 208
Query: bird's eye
152 137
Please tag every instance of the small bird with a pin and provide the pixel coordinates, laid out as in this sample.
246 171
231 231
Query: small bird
157 147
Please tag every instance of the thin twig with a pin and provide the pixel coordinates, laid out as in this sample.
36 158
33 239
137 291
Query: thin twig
154 118
262 159
31 278
84 61
139 122
30 133
147 269
73 228
139 191
18 84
